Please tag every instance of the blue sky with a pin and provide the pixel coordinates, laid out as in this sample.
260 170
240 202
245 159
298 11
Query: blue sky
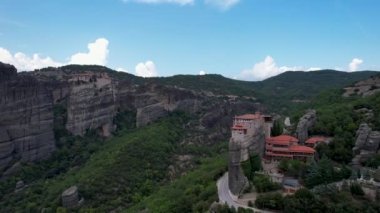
246 39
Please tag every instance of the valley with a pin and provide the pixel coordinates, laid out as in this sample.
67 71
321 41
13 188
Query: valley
131 144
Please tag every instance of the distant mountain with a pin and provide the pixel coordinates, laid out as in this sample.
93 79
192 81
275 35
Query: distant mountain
292 88
279 93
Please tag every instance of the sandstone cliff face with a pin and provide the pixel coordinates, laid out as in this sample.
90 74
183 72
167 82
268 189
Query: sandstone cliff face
237 181
157 101
92 99
26 119
304 124
91 104
367 144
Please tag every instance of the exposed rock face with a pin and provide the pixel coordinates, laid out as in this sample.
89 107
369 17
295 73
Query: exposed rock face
91 100
237 181
91 103
248 139
367 144
26 119
364 88
157 101
304 124
7 72
70 198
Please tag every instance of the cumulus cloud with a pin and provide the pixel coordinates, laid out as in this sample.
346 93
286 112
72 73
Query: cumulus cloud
180 2
146 70
97 53
120 69
222 4
24 62
354 65
202 72
313 69
268 68
265 69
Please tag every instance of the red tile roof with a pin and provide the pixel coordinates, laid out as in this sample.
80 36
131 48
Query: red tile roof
305 149
238 127
314 140
282 140
249 116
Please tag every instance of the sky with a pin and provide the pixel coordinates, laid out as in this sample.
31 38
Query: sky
242 39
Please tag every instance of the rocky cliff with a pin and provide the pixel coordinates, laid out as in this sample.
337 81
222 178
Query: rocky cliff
237 181
91 103
364 88
367 144
26 119
92 96
305 123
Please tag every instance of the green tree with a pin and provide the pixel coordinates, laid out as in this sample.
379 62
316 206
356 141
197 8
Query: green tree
273 201
277 128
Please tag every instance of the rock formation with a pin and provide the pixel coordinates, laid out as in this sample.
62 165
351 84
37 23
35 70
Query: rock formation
91 97
305 123
364 88
237 181
248 139
367 144
70 198
91 103
19 186
26 119
7 72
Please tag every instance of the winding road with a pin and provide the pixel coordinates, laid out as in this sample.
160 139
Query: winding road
226 197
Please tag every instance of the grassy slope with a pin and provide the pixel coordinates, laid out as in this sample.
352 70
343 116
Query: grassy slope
126 169
193 192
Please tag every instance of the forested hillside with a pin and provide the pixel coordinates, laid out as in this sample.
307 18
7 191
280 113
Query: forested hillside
280 93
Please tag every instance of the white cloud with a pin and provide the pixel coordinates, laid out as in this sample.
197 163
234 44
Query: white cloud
354 65
202 72
268 68
180 2
265 69
26 63
97 53
120 69
313 69
147 69
222 4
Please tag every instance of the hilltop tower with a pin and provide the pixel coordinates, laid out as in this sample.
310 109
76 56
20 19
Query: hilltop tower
249 132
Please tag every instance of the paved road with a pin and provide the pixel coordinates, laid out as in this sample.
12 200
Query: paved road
225 196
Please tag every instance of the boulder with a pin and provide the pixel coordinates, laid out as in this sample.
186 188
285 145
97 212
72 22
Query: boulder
70 197
19 186
366 146
305 123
